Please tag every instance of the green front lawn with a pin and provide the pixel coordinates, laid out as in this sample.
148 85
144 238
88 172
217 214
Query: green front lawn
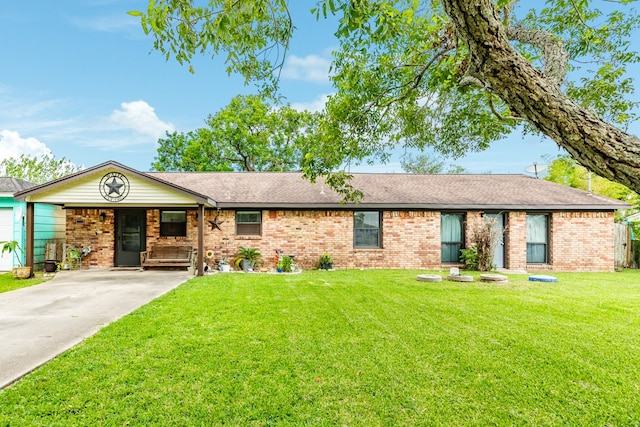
354 348
10 283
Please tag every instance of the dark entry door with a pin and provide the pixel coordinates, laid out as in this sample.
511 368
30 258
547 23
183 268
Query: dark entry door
130 236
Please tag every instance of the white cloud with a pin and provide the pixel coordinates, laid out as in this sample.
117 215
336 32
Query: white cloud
311 68
313 106
142 118
13 145
108 24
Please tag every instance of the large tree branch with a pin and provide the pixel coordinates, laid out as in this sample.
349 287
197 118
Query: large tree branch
529 93
556 57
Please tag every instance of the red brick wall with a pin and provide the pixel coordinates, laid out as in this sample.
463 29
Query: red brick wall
582 241
84 228
516 241
578 241
153 230
410 239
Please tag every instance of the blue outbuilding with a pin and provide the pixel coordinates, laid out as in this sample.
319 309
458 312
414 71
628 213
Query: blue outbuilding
49 224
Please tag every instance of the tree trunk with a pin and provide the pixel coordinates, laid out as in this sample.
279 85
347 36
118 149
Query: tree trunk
595 144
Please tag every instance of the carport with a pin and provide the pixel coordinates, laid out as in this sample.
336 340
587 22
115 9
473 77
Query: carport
111 205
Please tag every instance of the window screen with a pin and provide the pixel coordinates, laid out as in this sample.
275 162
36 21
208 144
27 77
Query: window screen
248 223
367 230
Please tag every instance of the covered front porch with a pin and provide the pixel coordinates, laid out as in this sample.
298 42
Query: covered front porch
113 213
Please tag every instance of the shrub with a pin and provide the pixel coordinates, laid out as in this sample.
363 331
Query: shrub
469 257
286 263
325 258
484 238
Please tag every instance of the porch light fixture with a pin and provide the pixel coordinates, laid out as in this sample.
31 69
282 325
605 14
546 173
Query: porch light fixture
102 216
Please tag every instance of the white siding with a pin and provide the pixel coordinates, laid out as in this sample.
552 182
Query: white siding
86 192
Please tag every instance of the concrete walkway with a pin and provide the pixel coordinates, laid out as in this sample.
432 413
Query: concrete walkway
39 322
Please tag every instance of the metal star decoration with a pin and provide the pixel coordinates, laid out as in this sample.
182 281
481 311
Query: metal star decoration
215 223
114 186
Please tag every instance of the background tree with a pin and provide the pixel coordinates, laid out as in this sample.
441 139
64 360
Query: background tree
424 164
37 169
452 74
246 135
565 170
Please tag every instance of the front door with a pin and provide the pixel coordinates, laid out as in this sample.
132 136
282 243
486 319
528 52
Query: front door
130 236
498 254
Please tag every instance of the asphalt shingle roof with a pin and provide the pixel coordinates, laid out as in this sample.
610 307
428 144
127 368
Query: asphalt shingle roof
13 185
394 191
402 191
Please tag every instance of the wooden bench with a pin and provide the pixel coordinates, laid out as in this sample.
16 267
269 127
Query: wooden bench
167 256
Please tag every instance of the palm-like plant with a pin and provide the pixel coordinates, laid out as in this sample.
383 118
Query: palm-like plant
12 246
251 254
247 258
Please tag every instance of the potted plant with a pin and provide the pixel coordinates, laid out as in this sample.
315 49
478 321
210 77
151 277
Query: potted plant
73 255
13 246
248 257
224 266
326 262
286 263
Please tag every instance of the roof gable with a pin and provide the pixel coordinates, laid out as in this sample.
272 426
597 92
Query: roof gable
111 183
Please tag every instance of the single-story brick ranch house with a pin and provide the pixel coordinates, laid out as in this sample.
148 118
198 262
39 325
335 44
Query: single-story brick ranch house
403 221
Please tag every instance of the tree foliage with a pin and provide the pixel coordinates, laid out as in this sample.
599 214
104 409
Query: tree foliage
424 164
452 75
37 169
246 135
566 171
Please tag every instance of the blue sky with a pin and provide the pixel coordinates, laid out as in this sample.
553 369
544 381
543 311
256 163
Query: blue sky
79 79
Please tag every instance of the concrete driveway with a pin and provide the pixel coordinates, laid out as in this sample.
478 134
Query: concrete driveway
39 322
